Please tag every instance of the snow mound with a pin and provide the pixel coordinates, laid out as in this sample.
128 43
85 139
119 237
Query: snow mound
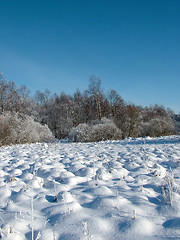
97 191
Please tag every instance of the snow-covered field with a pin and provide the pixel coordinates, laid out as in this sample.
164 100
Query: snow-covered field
117 190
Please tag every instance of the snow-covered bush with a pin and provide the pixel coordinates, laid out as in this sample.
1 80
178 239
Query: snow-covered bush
81 133
31 131
159 126
105 130
17 129
97 130
8 124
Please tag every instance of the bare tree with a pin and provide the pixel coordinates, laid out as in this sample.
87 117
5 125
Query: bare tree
97 96
117 103
3 89
132 122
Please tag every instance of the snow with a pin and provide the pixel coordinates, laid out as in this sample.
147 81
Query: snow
109 190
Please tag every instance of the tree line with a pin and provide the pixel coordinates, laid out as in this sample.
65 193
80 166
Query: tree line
91 115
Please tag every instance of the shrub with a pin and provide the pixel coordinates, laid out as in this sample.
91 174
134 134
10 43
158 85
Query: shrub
97 130
105 130
17 129
81 133
159 126
8 125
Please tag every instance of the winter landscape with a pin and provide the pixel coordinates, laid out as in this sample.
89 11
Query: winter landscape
126 189
89 120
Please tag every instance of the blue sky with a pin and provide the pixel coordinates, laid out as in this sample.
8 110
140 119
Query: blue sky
132 45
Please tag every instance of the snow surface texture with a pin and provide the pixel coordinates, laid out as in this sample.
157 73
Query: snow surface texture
103 191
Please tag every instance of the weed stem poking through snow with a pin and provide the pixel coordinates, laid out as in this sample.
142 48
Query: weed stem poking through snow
32 218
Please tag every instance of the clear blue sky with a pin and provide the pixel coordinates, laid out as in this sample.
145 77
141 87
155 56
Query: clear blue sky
132 45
